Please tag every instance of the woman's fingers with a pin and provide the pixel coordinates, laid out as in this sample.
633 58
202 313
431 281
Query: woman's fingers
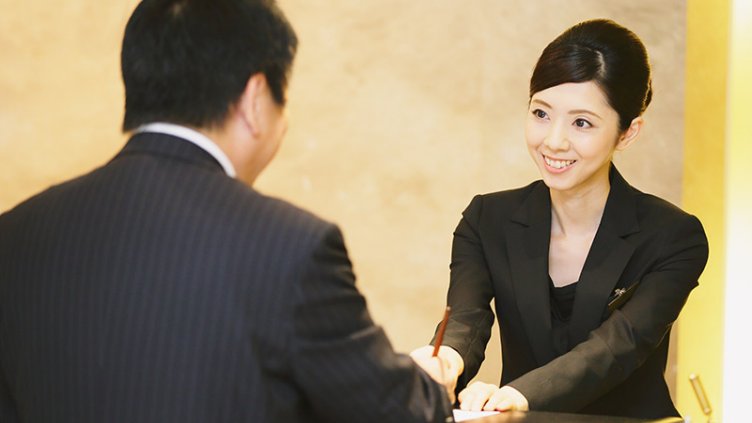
498 401
475 396
506 398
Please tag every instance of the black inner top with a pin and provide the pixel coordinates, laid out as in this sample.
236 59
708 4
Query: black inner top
562 301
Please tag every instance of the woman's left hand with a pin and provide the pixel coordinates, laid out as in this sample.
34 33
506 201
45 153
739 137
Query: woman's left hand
485 396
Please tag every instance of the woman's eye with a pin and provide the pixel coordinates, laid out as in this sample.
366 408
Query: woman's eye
540 114
582 123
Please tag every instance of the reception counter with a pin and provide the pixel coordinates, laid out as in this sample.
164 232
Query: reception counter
546 417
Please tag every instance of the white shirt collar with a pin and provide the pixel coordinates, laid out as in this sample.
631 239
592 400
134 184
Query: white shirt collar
195 137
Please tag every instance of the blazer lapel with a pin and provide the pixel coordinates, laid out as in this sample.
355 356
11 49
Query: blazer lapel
606 260
528 237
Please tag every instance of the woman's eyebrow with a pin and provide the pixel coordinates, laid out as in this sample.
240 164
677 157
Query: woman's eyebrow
584 111
571 112
541 102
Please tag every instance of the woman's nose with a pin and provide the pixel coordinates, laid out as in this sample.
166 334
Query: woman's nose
556 139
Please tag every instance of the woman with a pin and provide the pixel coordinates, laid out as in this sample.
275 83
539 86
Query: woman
587 273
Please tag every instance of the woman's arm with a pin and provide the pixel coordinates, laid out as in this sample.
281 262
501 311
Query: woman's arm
626 339
470 293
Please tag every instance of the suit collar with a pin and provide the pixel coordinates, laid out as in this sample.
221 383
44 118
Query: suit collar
193 136
169 146
528 234
620 213
528 239
606 260
536 207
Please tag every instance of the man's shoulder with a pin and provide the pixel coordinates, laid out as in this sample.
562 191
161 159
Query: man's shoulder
286 213
208 200
39 201
240 211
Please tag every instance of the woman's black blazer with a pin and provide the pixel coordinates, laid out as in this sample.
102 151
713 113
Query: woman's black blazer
617 358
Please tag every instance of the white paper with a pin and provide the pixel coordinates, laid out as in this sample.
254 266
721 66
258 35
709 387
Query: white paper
462 415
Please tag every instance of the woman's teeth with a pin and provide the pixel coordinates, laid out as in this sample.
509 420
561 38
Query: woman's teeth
558 164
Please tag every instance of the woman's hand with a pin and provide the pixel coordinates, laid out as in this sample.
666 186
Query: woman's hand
485 396
444 369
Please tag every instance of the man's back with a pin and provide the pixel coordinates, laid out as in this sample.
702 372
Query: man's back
157 289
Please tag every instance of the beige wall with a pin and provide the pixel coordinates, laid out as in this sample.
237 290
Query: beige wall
401 111
60 93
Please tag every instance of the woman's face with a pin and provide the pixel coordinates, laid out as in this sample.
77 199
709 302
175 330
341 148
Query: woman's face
572 133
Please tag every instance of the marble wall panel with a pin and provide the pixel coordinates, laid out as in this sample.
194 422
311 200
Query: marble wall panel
400 112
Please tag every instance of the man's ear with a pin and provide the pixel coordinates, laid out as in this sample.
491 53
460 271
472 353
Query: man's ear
250 103
630 135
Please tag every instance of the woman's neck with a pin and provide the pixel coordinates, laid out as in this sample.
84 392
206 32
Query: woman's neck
578 212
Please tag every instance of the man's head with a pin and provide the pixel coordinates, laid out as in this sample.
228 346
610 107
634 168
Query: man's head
189 61
218 66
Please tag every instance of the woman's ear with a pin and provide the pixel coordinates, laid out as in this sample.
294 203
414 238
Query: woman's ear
630 135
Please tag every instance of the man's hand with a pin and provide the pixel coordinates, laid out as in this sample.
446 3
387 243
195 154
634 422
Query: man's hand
444 369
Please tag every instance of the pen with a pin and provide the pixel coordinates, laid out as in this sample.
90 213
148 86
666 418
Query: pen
442 329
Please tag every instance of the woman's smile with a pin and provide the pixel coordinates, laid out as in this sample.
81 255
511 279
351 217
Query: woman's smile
554 165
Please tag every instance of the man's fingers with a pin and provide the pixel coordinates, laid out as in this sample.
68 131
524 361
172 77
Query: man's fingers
421 353
447 378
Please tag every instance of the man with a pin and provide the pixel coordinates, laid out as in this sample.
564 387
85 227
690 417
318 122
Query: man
161 287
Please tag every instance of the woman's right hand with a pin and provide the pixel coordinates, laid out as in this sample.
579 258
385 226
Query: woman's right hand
445 370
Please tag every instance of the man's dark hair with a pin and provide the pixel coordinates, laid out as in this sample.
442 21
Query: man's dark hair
605 52
188 61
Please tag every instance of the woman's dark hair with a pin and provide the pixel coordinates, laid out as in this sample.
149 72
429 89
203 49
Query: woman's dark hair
606 53
188 61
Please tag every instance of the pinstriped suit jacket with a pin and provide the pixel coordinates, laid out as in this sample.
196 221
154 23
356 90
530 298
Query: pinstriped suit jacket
157 289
